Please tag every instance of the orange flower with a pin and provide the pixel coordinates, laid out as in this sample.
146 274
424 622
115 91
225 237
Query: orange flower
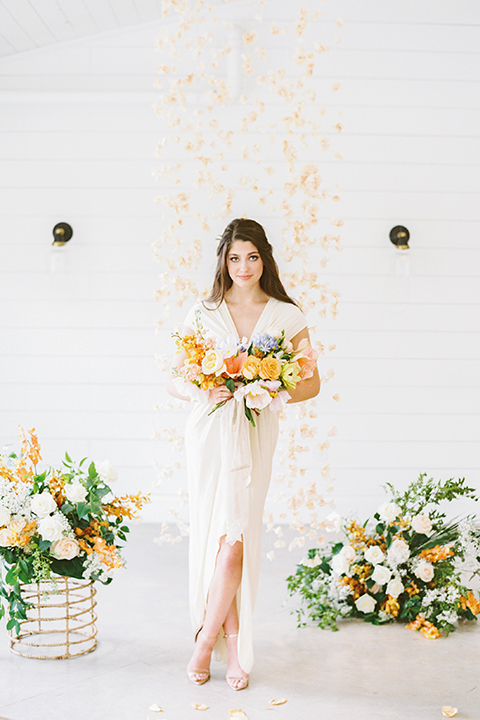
270 368
391 606
251 367
439 552
234 364
412 589
471 603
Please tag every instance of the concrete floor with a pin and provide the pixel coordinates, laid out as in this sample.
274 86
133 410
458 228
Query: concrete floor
361 672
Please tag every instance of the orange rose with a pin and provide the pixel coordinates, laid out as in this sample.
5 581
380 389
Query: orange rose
270 368
251 367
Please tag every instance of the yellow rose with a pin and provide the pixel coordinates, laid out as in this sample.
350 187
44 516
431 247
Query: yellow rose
251 367
290 375
270 368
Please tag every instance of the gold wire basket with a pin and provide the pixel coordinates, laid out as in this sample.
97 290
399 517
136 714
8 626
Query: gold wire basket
60 623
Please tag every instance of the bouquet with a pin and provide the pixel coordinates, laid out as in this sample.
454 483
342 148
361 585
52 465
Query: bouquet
57 522
259 374
407 564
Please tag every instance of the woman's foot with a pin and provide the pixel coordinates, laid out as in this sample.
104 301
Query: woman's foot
236 678
198 669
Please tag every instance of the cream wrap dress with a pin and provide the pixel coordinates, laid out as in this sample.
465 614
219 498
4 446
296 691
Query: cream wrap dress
229 467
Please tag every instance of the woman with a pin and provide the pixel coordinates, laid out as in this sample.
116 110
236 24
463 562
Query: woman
229 461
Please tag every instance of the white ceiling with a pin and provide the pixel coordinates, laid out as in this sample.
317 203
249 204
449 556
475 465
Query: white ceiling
29 24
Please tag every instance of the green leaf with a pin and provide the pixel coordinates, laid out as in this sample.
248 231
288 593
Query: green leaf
92 472
68 568
249 415
230 383
68 458
13 624
12 576
83 510
67 507
44 544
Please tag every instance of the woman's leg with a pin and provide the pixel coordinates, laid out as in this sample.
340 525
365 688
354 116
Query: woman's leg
236 677
221 596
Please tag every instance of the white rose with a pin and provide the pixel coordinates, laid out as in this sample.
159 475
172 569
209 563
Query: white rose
65 548
339 564
374 555
388 511
398 552
75 492
381 574
213 363
422 524
395 587
43 504
365 603
107 472
333 522
5 537
51 528
425 571
348 552
4 516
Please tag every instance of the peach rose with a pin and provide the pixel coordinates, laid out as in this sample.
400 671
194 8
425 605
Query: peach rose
270 368
251 367
65 548
306 358
425 571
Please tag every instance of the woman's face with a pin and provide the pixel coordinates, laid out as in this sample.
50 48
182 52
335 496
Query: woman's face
244 264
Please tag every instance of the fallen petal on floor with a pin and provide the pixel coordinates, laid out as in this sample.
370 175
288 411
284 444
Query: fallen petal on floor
278 701
155 708
237 715
448 711
199 706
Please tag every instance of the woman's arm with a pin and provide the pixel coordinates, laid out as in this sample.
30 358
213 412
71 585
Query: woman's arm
309 388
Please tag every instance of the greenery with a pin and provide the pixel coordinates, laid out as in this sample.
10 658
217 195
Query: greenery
406 563
57 522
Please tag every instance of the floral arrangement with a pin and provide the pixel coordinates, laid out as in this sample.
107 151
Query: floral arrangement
259 374
57 522
408 564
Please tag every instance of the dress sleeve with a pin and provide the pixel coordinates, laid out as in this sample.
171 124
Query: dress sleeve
295 321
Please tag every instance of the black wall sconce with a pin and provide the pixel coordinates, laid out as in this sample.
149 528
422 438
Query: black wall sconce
62 232
399 236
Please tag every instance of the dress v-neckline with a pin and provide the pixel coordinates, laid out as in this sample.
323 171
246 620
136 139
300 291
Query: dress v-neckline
256 324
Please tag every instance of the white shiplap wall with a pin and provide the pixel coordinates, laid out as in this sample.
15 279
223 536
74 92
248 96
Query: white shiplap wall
77 144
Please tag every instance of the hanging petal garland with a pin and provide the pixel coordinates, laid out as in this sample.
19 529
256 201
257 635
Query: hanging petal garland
242 120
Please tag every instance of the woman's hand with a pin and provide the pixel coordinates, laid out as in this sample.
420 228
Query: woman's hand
219 394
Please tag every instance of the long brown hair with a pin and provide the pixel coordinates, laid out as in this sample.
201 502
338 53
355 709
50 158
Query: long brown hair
247 231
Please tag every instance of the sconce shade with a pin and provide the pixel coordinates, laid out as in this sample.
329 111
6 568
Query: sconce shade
62 232
399 236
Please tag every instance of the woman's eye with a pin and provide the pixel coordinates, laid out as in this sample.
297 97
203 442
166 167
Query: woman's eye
253 257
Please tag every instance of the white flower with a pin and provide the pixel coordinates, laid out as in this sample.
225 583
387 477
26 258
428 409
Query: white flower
256 395
388 511
64 549
422 524
425 571
333 522
75 492
5 537
273 331
365 603
395 587
4 516
339 564
43 504
213 363
107 472
51 527
381 574
348 552
374 555
398 552
229 346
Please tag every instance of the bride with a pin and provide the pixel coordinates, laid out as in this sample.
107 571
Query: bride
229 461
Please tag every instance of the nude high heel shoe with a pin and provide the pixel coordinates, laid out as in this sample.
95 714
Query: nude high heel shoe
242 680
200 676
